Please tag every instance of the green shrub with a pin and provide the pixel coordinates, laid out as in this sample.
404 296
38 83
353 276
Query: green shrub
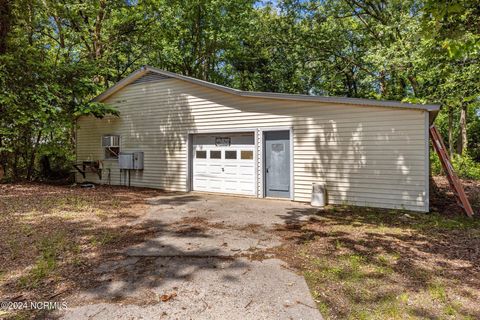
464 166
435 165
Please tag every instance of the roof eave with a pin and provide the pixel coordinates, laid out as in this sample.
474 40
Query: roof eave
341 100
121 84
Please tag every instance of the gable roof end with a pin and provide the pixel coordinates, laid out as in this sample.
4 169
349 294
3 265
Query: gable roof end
266 95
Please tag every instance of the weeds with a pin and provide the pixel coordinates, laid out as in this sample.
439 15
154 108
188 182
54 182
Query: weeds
104 238
50 248
437 291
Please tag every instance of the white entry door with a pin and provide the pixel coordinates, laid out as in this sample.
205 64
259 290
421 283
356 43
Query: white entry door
224 163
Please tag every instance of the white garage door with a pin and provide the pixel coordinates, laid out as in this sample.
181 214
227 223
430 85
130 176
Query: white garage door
224 163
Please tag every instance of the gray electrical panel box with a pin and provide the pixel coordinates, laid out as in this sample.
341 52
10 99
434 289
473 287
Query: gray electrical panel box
130 160
138 160
125 160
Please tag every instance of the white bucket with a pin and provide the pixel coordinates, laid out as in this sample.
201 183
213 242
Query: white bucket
318 195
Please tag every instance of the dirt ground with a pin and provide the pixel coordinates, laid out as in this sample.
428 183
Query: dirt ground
52 236
443 201
359 263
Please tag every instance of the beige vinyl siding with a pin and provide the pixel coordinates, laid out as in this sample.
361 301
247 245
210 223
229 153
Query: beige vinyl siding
372 156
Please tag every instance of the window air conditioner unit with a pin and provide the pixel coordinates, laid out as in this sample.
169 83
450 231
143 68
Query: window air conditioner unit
111 141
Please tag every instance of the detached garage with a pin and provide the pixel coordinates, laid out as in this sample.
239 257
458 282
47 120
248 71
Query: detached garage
182 134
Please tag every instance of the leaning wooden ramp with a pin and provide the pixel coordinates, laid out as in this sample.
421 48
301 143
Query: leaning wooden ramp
452 177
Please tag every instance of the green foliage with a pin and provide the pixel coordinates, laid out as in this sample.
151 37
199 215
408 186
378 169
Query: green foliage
456 23
96 109
435 164
464 166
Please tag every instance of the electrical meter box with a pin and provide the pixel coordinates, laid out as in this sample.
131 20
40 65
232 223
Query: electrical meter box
131 160
138 160
125 160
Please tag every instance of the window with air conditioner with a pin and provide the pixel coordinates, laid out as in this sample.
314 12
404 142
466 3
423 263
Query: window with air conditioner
111 146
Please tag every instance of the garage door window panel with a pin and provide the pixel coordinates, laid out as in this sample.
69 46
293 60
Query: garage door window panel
201 154
246 155
231 155
215 154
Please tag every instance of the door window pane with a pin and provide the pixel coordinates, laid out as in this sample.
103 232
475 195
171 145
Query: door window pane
215 154
277 147
231 154
246 155
201 154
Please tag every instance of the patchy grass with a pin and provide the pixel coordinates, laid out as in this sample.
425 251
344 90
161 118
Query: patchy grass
104 238
51 237
50 248
363 263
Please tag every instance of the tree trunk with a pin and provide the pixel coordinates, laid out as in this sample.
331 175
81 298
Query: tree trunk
61 37
31 161
3 161
97 36
462 139
414 84
15 166
4 24
4 28
197 58
383 84
450 131
31 22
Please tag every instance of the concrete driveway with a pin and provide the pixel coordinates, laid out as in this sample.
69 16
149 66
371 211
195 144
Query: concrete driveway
196 267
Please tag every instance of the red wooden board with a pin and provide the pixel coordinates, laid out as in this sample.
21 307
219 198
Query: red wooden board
452 177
